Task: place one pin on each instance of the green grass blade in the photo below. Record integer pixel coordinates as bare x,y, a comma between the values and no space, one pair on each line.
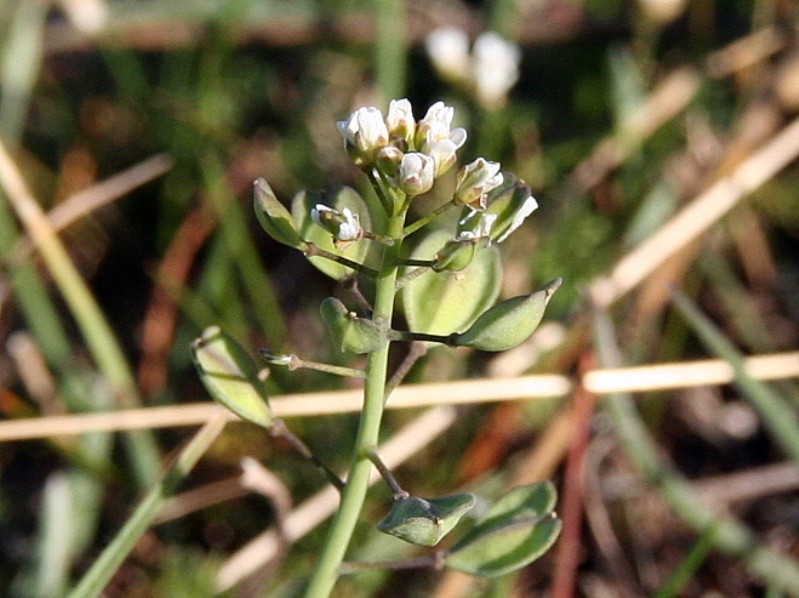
112,557
730,535
89,317
778,417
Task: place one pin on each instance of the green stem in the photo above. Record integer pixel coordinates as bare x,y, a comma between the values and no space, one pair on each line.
417,224
293,362
396,490
410,276
407,336
327,570
314,251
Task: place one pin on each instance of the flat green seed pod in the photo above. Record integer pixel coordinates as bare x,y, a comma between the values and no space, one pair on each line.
507,548
349,333
508,323
446,302
230,376
426,521
518,528
274,217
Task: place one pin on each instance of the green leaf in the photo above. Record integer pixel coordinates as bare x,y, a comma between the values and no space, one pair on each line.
518,528
274,217
446,302
426,521
230,376
342,197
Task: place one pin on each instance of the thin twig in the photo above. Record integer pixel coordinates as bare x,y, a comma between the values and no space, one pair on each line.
279,430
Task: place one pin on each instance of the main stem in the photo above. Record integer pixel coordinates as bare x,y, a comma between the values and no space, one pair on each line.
352,497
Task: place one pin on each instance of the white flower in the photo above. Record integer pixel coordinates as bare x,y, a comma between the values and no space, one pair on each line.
495,68
485,223
364,133
399,120
475,180
343,225
434,137
448,48
529,206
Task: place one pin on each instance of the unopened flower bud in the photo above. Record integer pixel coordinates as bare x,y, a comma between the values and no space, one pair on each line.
475,180
388,159
343,225
509,323
351,334
400,121
458,253
416,173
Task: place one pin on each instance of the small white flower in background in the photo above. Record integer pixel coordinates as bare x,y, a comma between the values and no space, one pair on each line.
416,173
343,225
448,48
496,68
491,69
475,180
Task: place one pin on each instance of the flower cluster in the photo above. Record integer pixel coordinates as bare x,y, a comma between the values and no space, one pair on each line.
409,155
413,154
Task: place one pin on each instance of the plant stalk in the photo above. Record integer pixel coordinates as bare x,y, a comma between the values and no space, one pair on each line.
352,498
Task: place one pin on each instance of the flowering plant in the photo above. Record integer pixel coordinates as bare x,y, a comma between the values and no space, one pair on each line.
449,284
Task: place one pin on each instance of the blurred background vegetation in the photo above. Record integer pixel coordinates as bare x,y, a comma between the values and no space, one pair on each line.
139,127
